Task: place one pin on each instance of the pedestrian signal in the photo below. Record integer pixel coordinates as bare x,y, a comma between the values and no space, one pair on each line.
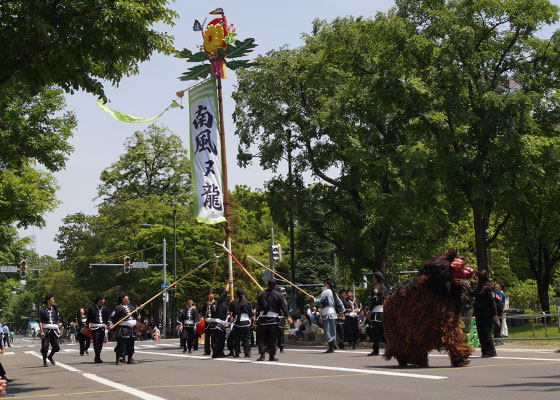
126,264
23,269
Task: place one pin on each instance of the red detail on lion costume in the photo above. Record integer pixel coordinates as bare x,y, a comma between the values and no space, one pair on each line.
423,314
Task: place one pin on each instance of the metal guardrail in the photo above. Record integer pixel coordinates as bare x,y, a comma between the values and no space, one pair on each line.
535,318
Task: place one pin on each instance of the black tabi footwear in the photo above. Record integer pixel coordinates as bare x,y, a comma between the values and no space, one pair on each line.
373,353
45,364
272,358
184,351
462,362
132,361
261,358
98,361
247,355
50,358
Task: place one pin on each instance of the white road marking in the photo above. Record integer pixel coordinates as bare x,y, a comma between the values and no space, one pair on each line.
11,353
103,381
309,366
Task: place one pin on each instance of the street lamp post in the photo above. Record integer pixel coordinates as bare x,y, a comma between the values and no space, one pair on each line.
164,330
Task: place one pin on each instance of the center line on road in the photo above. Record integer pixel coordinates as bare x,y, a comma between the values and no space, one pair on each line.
103,381
309,366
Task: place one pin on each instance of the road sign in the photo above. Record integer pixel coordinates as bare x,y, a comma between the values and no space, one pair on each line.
140,264
164,285
9,268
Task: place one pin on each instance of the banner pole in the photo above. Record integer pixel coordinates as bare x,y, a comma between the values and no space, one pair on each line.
225,183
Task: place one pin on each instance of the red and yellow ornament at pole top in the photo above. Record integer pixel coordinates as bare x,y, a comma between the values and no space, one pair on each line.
217,35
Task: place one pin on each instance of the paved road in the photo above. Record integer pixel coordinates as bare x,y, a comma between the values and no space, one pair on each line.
164,372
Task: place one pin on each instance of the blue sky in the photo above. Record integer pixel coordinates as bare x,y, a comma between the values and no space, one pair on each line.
98,139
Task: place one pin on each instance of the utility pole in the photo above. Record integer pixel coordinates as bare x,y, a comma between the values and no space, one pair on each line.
165,294
174,319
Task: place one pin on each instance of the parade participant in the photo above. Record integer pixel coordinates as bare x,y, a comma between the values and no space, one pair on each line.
188,318
281,325
126,330
378,295
219,324
330,306
270,304
208,321
83,332
49,328
486,313
6,334
352,309
242,315
97,319
340,331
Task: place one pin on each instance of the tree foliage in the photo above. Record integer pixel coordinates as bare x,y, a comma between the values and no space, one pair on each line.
76,44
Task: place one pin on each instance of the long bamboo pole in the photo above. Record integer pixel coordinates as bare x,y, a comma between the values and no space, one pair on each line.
241,265
160,293
281,277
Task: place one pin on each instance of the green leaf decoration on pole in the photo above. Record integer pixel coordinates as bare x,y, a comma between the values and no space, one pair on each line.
220,45
197,72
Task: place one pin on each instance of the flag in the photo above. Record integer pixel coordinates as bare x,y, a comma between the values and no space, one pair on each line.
206,161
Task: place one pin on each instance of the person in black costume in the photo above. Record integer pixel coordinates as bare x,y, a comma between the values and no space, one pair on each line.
49,327
219,324
378,295
340,326
281,325
126,330
270,304
352,309
188,318
83,332
242,315
208,322
485,313
97,319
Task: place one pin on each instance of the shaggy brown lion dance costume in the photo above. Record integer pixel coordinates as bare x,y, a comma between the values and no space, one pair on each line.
423,313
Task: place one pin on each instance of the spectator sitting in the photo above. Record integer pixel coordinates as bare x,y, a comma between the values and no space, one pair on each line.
315,316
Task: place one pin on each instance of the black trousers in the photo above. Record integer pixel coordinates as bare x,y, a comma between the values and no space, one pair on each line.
52,339
497,328
484,326
340,332
352,330
188,336
267,337
378,334
83,340
218,342
241,337
7,340
208,345
2,371
98,338
125,347
280,342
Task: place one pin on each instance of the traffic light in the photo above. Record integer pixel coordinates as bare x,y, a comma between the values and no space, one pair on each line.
23,269
126,264
277,253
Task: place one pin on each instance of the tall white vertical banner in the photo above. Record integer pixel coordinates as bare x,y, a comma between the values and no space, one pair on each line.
206,160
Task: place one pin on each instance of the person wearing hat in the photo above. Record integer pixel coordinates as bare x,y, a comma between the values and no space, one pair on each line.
330,307
188,318
49,327
242,315
126,330
270,304
97,318
378,295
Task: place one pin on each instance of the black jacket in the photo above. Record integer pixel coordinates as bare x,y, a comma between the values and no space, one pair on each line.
271,300
241,306
120,311
47,316
189,314
484,303
93,316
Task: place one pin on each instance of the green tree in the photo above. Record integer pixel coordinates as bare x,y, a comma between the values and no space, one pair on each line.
154,163
341,100
76,44
485,74
34,131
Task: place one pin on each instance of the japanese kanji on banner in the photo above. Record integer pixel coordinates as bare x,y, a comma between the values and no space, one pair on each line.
206,165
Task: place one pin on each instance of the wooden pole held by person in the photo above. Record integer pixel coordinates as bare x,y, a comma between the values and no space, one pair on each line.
281,277
160,293
238,263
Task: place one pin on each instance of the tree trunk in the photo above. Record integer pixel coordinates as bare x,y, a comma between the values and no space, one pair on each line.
380,254
480,234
